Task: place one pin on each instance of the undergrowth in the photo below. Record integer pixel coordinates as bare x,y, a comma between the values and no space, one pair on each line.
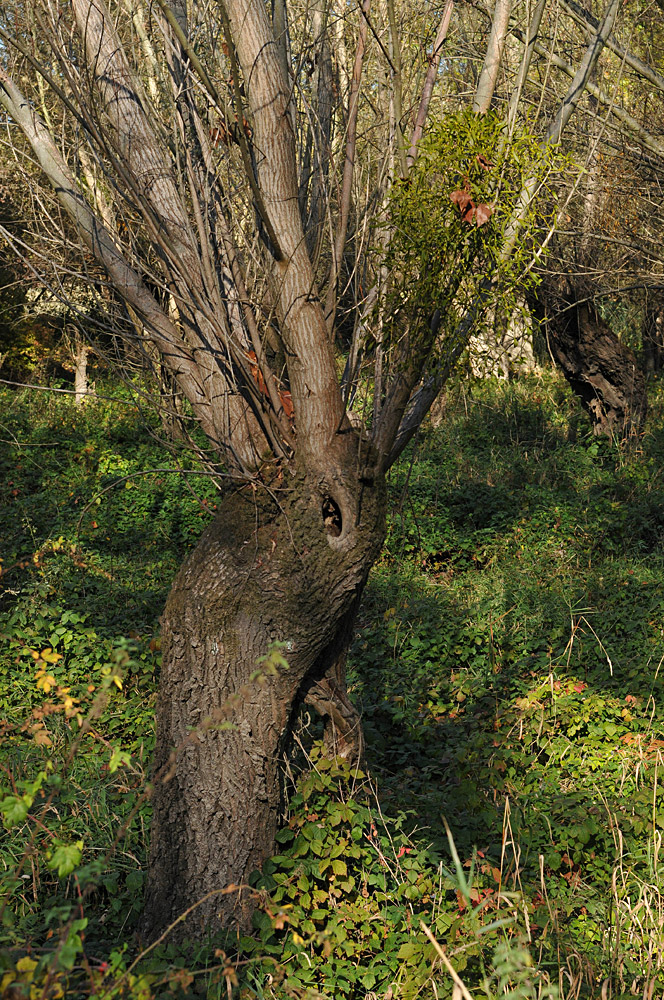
508,663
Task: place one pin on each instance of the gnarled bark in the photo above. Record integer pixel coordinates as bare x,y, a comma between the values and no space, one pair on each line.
652,337
286,565
603,372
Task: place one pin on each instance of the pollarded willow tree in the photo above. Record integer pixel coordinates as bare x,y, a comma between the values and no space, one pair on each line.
225,183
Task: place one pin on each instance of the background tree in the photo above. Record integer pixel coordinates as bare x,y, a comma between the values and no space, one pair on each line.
603,262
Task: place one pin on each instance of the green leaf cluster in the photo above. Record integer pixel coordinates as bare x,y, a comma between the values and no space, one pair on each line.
439,259
348,891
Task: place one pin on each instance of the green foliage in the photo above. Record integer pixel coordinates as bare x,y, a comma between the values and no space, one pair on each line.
342,892
350,888
452,221
510,652
509,666
74,530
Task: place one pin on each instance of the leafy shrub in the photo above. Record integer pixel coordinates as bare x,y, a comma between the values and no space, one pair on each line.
451,222
350,890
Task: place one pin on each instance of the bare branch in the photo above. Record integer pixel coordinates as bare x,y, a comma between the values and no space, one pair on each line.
493,57
311,368
349,168
427,90
530,39
96,238
583,73
645,137
586,19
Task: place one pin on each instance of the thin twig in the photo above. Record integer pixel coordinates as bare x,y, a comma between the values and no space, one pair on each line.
446,962
69,392
427,90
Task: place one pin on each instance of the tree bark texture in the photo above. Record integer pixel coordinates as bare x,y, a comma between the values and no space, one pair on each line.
285,565
81,350
603,372
652,337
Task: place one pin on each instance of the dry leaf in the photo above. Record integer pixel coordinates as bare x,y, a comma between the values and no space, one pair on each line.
463,200
482,214
41,738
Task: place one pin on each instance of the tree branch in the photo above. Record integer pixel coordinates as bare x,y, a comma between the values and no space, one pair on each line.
493,57
427,90
94,235
646,138
583,74
349,168
530,39
586,19
310,359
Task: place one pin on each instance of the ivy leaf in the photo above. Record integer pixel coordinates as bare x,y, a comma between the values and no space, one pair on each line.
14,809
408,949
118,758
45,681
65,858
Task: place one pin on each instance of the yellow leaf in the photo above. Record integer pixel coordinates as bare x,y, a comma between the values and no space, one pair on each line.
117,680
46,682
26,964
297,939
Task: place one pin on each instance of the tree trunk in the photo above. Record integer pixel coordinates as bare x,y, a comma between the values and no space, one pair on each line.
653,339
80,369
602,371
286,565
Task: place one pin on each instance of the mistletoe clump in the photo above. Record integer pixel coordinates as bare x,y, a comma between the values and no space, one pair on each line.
453,217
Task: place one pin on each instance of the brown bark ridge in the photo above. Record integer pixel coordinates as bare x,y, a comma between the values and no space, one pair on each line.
652,338
286,564
602,371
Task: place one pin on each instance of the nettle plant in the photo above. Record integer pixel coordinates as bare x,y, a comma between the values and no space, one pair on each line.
454,250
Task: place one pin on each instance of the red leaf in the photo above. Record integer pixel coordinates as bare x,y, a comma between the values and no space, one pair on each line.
482,214
462,199
219,134
484,163
466,204
256,373
287,403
